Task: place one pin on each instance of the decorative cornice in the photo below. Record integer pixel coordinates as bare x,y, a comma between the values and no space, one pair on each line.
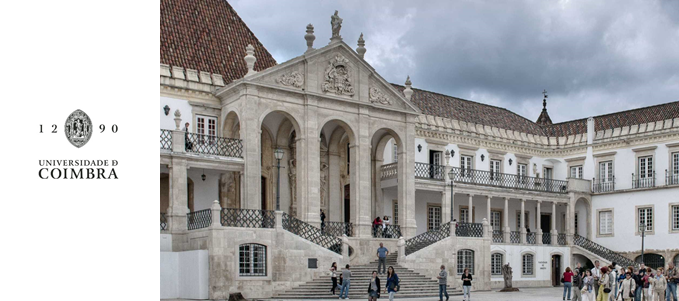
575,159
468,147
599,155
642,149
497,152
672,144
436,141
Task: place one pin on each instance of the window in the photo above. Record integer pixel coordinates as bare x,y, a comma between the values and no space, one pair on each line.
496,220
606,222
646,167
206,127
522,172
252,260
576,172
394,152
496,264
494,170
527,266
433,217
518,219
548,173
675,217
676,261
674,175
646,218
465,259
464,215
576,223
466,165
606,172
395,211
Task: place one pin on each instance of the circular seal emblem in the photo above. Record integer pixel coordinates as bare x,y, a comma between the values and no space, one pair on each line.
78,128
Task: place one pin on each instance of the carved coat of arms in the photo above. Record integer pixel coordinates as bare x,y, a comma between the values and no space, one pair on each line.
78,128
338,77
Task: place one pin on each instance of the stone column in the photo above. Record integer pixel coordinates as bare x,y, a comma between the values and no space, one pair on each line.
241,175
179,203
345,250
251,134
446,204
360,176
488,209
401,250
554,232
406,178
523,222
569,226
470,210
335,198
505,221
279,220
216,211
377,198
310,205
538,238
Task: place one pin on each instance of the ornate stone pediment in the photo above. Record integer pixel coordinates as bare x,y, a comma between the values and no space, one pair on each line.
294,79
377,96
338,78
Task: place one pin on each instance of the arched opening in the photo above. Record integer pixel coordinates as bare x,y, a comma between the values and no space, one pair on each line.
652,260
584,262
582,218
388,183
230,181
278,131
189,191
336,199
164,192
556,269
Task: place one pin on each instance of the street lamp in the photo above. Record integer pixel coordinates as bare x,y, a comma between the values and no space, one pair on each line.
278,154
642,229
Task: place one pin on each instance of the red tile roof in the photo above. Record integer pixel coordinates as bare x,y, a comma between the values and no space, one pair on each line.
655,113
208,35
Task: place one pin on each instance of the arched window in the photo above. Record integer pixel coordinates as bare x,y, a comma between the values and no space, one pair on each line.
252,260
676,260
527,264
651,260
496,264
465,259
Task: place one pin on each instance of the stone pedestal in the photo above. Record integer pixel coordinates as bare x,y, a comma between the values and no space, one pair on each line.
523,236
538,237
216,211
555,236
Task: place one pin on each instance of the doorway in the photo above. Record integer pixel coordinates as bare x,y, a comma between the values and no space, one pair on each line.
556,270
545,222
264,193
347,203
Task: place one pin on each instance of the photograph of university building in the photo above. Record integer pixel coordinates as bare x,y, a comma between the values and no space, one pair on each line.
254,151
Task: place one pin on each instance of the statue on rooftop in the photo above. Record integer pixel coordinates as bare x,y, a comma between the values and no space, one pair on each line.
336,24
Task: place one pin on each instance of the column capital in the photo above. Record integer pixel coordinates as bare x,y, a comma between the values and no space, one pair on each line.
489,196
470,195
506,198
539,201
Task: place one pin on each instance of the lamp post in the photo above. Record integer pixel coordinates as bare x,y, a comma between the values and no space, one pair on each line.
642,229
278,154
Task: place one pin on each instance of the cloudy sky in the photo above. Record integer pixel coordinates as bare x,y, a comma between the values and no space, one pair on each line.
593,57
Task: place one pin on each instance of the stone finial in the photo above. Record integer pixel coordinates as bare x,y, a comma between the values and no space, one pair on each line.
361,46
177,119
309,37
408,92
250,59
447,156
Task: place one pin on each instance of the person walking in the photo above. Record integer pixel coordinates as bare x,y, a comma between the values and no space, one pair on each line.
392,283
374,287
588,286
604,285
567,283
382,253
596,275
333,276
659,285
672,277
346,282
628,287
578,284
466,284
443,283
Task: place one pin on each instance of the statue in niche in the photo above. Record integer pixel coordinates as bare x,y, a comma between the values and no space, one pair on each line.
507,275
336,24
324,183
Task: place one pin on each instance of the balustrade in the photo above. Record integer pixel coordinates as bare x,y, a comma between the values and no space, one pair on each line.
199,219
482,177
338,228
602,185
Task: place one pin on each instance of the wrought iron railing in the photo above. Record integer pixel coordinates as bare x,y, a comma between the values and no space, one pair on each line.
482,177
671,178
199,219
311,233
248,218
603,251
163,221
165,139
391,231
429,171
603,186
546,238
469,229
561,239
389,171
213,145
425,239
645,182
498,236
515,237
338,228
530,238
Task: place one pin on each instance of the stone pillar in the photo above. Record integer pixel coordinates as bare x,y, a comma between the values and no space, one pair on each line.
488,209
453,228
406,179
377,198
505,221
523,222
335,198
360,176
345,250
216,211
401,250
569,226
470,210
251,134
279,220
446,203
554,232
487,231
538,238
241,175
179,203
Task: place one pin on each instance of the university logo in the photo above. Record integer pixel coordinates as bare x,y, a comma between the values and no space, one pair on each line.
78,128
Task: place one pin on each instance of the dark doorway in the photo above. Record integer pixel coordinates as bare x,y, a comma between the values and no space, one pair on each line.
347,203
545,223
651,260
556,270
264,193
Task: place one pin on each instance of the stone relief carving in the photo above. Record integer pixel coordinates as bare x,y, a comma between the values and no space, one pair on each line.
338,77
293,78
376,96
324,184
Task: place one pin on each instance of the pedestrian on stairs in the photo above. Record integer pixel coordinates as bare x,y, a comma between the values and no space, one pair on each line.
382,253
374,287
443,283
392,283
467,285
333,271
346,281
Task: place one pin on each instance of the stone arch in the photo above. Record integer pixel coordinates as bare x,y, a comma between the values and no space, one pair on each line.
652,260
290,116
586,227
336,178
379,139
267,161
231,125
345,124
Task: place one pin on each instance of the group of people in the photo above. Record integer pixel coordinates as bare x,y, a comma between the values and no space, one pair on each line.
616,283
381,224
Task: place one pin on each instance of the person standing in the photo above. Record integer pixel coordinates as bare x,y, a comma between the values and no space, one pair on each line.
377,223
659,285
443,283
628,287
613,279
672,277
638,279
346,282
588,286
374,287
604,285
333,276
385,225
322,220
382,253
466,284
392,283
577,284
596,275
567,283
647,282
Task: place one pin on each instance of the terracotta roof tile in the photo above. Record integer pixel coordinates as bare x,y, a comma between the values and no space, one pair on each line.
208,35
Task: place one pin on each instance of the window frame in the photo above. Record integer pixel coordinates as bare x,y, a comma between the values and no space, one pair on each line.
494,261
464,264
394,210
524,265
431,206
251,261
463,207
494,211
598,222
202,129
578,170
495,170
672,215
551,172
637,219
518,219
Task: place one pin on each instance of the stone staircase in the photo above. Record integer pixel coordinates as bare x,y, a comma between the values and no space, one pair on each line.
413,285
603,252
